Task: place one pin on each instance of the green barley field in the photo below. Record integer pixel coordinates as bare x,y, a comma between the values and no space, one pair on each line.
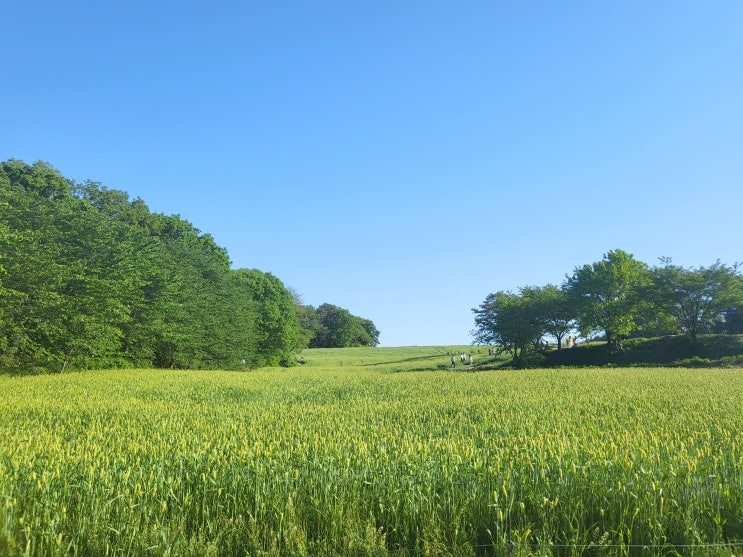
375,452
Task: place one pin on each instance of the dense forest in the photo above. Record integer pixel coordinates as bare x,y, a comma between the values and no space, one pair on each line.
612,300
92,279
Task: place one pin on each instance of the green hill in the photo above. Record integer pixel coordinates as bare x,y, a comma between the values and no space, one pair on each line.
710,350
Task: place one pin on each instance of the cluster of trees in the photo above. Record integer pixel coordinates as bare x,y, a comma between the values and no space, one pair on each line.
329,326
90,278
614,299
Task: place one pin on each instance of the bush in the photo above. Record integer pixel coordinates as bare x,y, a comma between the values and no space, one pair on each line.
529,360
732,361
694,361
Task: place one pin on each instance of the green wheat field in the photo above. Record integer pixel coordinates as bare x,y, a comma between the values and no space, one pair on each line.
373,451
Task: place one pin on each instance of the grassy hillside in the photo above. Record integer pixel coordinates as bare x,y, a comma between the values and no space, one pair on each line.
673,350
406,358
710,351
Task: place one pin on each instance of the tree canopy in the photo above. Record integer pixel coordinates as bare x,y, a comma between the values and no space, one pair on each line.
606,295
90,278
510,321
699,298
613,299
335,327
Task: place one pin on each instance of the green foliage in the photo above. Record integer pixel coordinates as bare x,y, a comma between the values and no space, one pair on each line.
624,301
694,361
277,329
517,322
336,327
554,311
39,178
732,361
511,321
90,279
307,318
607,295
697,298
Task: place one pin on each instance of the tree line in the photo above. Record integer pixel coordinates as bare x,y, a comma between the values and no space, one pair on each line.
91,279
614,299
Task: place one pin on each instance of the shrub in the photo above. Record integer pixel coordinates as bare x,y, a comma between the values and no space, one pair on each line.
732,361
694,361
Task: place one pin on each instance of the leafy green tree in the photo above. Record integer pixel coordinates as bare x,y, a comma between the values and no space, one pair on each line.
94,280
190,299
32,281
554,311
307,317
277,328
68,274
335,327
338,328
511,321
697,298
607,295
40,178
92,301
233,326
90,279
5,241
371,338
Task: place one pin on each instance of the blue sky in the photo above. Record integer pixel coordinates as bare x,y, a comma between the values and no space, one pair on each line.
398,159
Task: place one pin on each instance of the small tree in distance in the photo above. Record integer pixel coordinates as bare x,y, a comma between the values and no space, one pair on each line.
337,328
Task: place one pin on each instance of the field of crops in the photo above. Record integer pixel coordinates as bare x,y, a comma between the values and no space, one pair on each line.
360,452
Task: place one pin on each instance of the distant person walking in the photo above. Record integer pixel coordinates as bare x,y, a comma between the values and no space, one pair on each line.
453,361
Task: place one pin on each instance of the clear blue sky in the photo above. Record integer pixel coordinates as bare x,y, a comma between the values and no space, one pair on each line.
398,159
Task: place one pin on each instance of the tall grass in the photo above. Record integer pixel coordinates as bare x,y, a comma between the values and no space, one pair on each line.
351,460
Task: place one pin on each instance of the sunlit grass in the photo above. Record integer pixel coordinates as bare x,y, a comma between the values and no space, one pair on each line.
352,459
